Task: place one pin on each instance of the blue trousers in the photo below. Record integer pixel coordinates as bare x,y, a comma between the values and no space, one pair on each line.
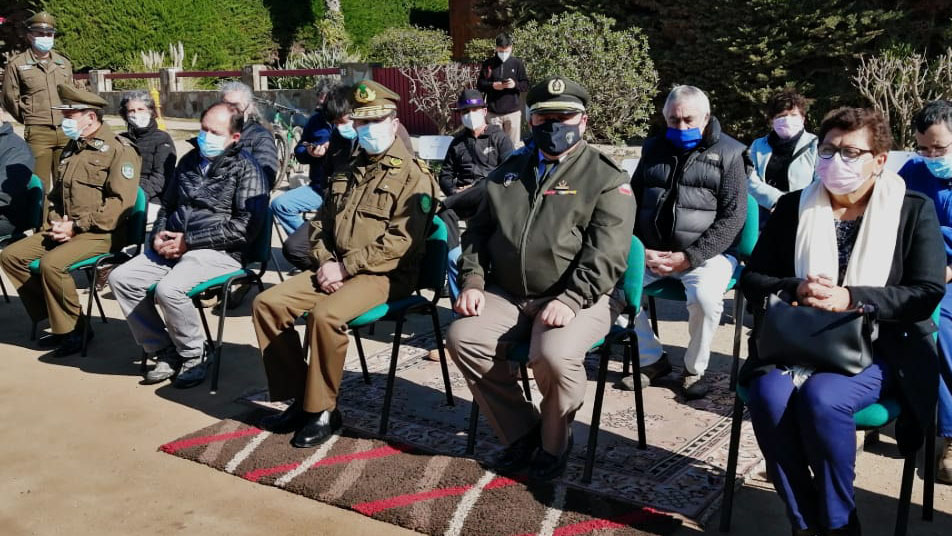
945,363
289,206
453,272
812,428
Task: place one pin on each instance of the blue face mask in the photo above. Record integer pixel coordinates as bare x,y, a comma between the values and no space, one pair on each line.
71,128
375,138
43,44
684,139
210,145
940,166
346,130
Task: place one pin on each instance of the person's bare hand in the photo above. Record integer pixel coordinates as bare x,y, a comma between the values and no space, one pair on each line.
672,263
61,231
817,287
317,151
653,259
838,300
331,288
510,83
556,314
470,302
174,245
331,272
498,86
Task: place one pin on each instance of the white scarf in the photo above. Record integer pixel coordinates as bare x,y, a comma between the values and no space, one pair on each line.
870,262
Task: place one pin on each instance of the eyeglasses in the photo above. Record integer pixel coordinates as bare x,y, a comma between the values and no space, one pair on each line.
935,150
847,154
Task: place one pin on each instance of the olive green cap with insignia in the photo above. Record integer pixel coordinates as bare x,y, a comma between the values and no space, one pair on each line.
557,94
41,21
74,98
372,100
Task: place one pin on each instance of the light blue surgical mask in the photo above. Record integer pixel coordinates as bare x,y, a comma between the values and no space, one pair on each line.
211,145
43,44
375,138
71,128
346,130
940,166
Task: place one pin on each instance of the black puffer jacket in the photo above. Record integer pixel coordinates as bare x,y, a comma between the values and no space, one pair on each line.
694,202
158,158
223,208
259,142
16,167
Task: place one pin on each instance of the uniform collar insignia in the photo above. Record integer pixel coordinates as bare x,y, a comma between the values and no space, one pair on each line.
562,185
508,178
395,162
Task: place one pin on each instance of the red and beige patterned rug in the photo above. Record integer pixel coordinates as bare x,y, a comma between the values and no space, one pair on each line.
420,479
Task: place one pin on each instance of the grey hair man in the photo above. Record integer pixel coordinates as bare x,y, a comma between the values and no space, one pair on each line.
691,189
255,137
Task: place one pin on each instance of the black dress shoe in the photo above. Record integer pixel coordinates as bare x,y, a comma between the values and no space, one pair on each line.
51,340
519,453
289,420
72,343
547,466
851,529
317,428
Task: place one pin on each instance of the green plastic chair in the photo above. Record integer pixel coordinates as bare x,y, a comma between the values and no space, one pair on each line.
873,417
632,283
34,198
135,236
672,289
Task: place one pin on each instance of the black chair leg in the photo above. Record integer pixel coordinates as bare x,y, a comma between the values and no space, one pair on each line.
438,332
360,354
905,495
928,473
473,423
201,314
217,344
730,474
144,364
91,277
88,320
596,413
526,388
626,362
632,348
653,313
391,377
738,333
33,331
3,287
277,267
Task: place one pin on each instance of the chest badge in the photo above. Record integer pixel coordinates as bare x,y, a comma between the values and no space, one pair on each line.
96,144
508,178
104,148
395,162
562,185
128,170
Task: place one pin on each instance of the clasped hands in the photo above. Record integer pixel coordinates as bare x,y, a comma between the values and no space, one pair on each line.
555,314
61,230
170,245
665,263
330,276
820,292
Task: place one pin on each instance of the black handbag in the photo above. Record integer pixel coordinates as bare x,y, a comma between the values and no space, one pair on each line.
828,341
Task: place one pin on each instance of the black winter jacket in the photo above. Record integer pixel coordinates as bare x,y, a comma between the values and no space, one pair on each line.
16,168
470,159
259,142
503,101
158,159
709,189
223,209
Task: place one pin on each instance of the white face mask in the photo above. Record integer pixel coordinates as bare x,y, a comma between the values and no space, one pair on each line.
377,137
503,56
474,120
140,119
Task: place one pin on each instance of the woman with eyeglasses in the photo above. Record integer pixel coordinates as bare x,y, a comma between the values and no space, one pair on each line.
856,236
783,159
931,174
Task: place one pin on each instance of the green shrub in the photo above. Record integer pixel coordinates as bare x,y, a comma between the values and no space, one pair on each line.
366,19
410,47
225,34
613,65
478,49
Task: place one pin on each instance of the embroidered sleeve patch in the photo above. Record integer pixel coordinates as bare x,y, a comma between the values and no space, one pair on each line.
128,170
426,203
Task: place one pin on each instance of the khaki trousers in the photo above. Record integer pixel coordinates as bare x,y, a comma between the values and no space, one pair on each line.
510,123
479,345
52,292
273,314
47,143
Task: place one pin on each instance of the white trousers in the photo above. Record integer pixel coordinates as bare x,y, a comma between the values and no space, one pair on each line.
704,287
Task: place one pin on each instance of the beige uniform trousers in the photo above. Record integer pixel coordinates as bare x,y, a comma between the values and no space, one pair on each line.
52,292
47,143
510,123
479,345
273,314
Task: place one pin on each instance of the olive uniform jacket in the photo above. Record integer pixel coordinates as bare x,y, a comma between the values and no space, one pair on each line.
567,237
29,87
375,217
97,184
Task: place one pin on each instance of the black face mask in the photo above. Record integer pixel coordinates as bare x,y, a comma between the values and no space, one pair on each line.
555,137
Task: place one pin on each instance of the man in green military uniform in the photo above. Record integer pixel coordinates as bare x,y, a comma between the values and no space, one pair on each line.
368,244
29,94
540,258
94,191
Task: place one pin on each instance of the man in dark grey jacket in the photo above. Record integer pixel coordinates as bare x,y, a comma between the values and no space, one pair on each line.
16,168
691,187
212,210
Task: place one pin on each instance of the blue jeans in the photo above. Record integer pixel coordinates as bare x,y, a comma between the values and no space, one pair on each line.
945,363
812,427
453,272
289,206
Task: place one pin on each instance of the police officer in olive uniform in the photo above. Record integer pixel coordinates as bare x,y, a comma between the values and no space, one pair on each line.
540,259
368,243
29,94
94,191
